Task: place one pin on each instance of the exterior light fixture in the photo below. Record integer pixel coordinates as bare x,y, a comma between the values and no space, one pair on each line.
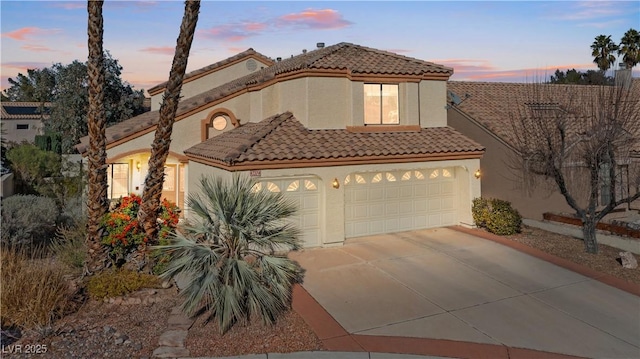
335,184
138,165
477,174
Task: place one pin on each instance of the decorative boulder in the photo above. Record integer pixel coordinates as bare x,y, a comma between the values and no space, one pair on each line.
628,260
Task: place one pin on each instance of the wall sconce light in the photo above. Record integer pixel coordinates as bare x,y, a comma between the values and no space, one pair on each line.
477,174
138,165
335,184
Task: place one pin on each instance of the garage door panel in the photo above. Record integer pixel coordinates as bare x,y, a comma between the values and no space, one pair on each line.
391,193
398,201
447,203
391,209
420,190
310,203
434,204
376,210
376,193
406,208
406,191
434,189
305,195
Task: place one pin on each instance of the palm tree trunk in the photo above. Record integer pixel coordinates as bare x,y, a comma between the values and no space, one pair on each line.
148,212
98,204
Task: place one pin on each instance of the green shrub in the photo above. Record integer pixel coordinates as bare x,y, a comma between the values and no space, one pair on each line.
33,290
28,219
497,216
117,282
124,233
480,211
69,245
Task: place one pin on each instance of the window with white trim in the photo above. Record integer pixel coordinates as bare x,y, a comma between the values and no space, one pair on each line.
381,104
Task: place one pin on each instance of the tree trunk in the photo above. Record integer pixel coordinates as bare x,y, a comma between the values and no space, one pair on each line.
148,212
589,234
98,204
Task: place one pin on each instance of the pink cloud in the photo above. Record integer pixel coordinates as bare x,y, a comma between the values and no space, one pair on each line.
24,66
466,65
23,33
398,51
70,5
315,19
490,73
234,32
36,48
161,50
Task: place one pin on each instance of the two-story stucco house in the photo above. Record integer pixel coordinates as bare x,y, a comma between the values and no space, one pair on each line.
358,137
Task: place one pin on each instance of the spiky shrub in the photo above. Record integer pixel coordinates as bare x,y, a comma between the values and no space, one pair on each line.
233,255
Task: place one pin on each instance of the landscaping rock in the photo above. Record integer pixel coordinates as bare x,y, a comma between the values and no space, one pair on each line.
628,260
173,338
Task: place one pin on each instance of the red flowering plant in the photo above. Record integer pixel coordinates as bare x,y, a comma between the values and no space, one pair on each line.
124,233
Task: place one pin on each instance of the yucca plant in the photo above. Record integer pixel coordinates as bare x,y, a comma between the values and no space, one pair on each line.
233,254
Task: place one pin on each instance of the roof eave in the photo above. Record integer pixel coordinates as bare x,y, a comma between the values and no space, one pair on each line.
327,162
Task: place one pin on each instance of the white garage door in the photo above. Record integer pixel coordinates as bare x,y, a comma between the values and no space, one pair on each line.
386,202
305,193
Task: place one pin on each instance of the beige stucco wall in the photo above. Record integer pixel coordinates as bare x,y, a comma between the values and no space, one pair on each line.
433,99
332,203
13,134
212,80
498,181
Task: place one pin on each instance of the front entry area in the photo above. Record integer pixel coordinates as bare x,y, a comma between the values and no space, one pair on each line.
387,202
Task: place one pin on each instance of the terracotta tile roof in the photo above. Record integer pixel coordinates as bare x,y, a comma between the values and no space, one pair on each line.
494,104
248,53
281,140
24,110
343,58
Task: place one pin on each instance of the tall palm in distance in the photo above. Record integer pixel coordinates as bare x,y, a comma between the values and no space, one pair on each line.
152,192
603,50
630,48
98,204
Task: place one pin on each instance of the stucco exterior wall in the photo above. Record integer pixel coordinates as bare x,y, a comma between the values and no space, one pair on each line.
212,80
497,179
13,134
329,107
433,99
294,96
333,202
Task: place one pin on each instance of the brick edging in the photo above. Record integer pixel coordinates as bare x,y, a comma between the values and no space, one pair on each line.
605,278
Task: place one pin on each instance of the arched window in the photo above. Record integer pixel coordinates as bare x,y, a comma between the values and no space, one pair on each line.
218,121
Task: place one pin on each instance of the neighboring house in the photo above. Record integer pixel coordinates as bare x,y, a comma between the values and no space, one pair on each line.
22,121
357,137
484,113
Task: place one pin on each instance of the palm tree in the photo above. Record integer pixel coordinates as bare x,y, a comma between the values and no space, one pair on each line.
603,50
148,213
630,48
229,254
98,204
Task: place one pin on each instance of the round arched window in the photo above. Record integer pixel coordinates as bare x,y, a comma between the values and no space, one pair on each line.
220,122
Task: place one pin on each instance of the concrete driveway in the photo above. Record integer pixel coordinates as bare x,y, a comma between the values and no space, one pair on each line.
444,284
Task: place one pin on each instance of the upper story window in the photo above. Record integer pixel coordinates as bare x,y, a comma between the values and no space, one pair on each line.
381,104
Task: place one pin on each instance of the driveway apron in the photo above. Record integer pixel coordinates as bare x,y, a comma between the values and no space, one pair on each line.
444,284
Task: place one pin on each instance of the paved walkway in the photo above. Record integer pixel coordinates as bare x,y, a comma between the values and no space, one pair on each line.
447,294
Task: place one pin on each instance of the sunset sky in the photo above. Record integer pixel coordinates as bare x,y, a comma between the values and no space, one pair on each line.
483,41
